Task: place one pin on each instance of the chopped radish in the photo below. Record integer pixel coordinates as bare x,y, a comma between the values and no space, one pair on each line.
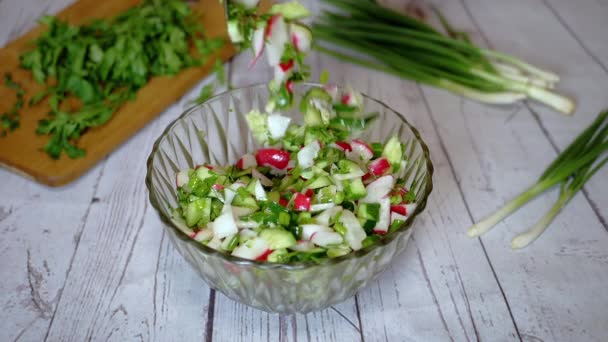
182,178
283,202
248,4
224,225
217,187
251,249
246,162
321,206
247,234
280,74
258,175
289,86
302,246
258,44
276,37
307,155
399,209
202,235
379,166
355,234
378,189
229,194
277,125
332,90
260,193
324,217
308,230
302,202
272,157
264,256
360,151
343,145
351,98
324,239
301,37
385,216
309,193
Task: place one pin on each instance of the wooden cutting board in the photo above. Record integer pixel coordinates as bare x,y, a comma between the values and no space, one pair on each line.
21,150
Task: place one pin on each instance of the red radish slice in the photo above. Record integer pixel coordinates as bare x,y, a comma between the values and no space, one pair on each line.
307,155
324,239
283,202
289,86
379,232
378,189
309,193
361,150
399,209
332,90
324,217
343,145
345,99
217,187
276,37
379,166
258,175
264,256
301,37
355,234
277,125
302,202
260,193
182,178
225,225
252,249
202,235
257,44
385,216
302,246
395,216
272,157
308,230
246,162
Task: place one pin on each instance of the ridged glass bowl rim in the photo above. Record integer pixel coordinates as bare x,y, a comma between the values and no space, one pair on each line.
386,239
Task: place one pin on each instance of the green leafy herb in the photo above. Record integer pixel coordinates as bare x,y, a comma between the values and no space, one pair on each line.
104,63
9,121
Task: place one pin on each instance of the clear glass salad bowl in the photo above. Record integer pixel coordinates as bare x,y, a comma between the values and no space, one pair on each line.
216,133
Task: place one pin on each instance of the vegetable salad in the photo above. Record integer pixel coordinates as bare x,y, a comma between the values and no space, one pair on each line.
312,192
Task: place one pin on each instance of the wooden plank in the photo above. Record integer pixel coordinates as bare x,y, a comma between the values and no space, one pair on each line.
34,270
152,99
496,152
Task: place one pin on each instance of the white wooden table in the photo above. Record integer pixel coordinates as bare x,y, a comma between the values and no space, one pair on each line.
89,261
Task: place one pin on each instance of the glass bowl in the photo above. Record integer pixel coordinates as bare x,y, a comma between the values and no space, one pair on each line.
216,133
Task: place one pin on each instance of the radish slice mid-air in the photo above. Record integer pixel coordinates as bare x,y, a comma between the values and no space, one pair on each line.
301,37
276,37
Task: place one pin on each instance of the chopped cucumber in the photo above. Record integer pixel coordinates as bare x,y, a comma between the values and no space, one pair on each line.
278,238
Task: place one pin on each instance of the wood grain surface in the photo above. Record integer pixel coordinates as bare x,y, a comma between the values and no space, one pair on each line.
21,150
90,261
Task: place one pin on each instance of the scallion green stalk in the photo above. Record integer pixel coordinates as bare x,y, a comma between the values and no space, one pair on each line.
409,48
572,168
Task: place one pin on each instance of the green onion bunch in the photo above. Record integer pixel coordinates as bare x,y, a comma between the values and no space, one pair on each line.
376,37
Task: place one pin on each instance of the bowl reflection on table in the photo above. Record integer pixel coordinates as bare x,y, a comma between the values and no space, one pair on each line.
216,133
